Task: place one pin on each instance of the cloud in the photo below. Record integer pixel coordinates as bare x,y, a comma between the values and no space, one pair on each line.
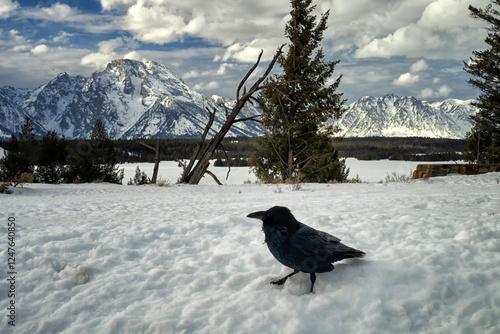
107,52
73,17
40,49
406,79
236,24
419,66
57,12
443,91
7,7
62,37
212,85
134,55
115,4
444,30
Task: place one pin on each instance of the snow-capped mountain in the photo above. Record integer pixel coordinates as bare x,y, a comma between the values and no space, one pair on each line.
147,100
134,99
394,116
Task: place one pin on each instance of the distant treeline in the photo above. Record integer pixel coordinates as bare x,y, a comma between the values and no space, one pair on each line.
409,149
239,149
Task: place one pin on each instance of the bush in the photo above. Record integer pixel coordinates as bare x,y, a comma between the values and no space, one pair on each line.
395,177
139,178
4,188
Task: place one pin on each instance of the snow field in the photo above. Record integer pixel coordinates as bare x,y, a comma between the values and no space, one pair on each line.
184,259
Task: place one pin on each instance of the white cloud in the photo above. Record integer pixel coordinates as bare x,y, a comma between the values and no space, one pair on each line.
59,12
436,80
419,66
62,37
222,22
443,91
107,52
444,30
40,49
110,45
115,4
223,67
212,85
406,79
6,7
134,55
63,13
15,41
97,60
426,93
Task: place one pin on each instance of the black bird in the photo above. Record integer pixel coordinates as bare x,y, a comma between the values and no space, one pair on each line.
299,246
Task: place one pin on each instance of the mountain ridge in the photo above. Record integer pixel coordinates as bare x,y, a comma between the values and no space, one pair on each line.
147,100
407,116
134,99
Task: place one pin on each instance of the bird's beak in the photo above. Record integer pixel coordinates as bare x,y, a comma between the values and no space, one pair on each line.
257,215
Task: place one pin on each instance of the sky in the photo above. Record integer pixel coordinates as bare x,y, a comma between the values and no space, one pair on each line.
402,47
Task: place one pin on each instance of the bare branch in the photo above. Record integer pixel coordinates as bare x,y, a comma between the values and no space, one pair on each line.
228,163
148,146
183,165
245,78
251,118
215,177
193,175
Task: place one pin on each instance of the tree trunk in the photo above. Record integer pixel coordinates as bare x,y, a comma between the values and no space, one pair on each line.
193,175
157,158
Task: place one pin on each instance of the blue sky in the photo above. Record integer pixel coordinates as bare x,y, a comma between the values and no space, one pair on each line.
405,47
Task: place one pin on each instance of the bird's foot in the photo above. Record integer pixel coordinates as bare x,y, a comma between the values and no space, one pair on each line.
279,282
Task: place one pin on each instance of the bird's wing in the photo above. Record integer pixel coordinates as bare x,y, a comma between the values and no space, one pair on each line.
311,241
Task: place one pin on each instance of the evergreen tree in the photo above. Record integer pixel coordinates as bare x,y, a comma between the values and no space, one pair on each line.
52,159
103,154
297,106
13,162
483,141
95,160
20,157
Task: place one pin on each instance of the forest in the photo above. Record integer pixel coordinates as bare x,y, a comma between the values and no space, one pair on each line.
239,149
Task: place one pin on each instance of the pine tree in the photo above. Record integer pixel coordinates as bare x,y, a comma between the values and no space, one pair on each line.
52,159
95,161
103,155
483,141
12,163
20,157
297,106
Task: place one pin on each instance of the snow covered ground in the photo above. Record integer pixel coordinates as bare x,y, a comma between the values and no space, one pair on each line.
367,171
101,258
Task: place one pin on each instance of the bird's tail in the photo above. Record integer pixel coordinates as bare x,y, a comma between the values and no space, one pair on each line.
346,252
354,253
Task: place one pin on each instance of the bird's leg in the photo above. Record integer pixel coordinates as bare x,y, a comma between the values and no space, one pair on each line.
313,279
283,280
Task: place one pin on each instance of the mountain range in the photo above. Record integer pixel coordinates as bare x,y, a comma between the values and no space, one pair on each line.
134,99
147,100
394,116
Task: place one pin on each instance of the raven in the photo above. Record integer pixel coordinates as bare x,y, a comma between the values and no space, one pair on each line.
299,246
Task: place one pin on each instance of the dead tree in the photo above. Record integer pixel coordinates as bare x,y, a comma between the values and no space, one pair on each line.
157,158
200,160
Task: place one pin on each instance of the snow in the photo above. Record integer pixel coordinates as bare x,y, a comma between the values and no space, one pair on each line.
364,169
108,258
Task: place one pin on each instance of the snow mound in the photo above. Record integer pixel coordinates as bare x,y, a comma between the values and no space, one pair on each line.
74,272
